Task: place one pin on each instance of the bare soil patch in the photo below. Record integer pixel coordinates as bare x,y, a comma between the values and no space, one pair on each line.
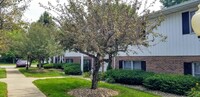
100,92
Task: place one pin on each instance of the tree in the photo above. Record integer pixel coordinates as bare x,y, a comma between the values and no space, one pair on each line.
41,39
39,42
11,12
101,28
46,19
168,3
15,43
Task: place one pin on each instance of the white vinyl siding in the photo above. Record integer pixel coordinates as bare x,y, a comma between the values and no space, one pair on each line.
176,43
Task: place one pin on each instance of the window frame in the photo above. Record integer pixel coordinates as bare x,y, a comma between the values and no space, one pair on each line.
69,60
132,65
190,21
193,68
123,64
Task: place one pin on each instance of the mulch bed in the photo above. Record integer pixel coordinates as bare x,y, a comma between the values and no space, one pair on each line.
100,92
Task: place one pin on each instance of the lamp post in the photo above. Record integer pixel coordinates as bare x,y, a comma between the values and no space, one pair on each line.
196,22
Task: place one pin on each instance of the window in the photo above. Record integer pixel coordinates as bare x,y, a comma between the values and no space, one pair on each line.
69,60
191,15
196,69
127,65
130,65
87,65
137,65
186,22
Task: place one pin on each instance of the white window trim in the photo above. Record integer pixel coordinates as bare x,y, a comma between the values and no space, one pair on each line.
123,64
132,65
190,10
193,69
190,22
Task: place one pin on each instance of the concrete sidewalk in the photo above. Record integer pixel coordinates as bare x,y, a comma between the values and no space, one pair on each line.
19,85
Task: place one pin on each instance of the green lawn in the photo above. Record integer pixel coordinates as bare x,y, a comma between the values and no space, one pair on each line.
2,73
3,90
35,72
7,64
60,87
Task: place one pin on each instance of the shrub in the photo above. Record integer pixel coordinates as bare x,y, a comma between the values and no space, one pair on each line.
42,64
195,92
131,77
101,76
59,65
177,84
47,66
110,80
72,69
109,67
86,74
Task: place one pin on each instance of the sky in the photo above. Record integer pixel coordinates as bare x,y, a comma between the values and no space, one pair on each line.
34,11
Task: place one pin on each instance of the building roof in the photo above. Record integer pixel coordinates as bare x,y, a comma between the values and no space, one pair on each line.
176,8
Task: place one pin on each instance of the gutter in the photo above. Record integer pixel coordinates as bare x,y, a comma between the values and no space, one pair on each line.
180,7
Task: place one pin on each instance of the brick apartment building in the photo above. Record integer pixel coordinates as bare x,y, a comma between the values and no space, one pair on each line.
180,53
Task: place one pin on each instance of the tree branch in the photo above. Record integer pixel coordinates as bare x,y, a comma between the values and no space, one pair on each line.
86,53
1,2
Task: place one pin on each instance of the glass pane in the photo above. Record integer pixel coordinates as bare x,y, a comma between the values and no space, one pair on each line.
197,68
87,65
127,64
69,60
137,65
191,15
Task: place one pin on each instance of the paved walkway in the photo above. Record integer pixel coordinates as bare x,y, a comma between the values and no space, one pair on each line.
19,85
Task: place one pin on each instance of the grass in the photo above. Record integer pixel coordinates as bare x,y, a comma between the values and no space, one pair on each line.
3,89
10,64
2,73
35,72
60,87
7,64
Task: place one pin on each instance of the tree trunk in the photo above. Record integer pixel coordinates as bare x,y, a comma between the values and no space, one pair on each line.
109,62
40,64
102,67
43,61
30,62
95,74
27,65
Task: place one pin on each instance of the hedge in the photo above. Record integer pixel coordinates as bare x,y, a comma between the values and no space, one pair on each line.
171,83
59,65
131,77
195,92
72,69
48,66
177,84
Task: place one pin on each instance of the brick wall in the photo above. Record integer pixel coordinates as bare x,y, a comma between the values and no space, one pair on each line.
161,64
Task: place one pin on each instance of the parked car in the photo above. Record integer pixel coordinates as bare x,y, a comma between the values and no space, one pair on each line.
21,63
